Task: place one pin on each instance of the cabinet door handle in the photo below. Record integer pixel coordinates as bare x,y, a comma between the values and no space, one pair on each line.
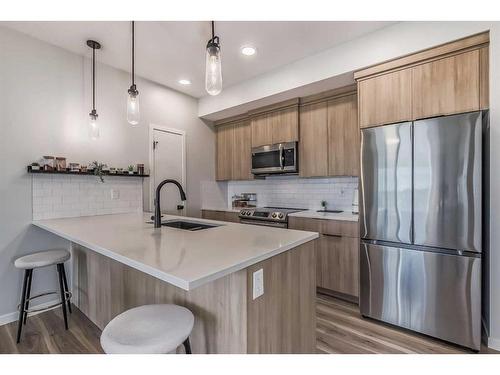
332,235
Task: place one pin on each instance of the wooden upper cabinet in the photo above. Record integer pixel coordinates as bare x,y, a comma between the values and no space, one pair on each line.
285,125
313,145
224,152
329,137
343,136
484,78
242,151
233,149
261,129
447,79
273,124
446,86
385,99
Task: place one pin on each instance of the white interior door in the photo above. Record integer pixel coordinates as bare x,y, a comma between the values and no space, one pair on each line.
168,150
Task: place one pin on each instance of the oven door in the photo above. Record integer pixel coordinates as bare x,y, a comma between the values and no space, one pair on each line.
277,158
264,223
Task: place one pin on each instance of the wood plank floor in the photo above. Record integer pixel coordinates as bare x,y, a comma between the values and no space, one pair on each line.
340,329
45,333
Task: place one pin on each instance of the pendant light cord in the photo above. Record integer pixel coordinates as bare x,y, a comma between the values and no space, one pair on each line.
213,30
133,53
93,78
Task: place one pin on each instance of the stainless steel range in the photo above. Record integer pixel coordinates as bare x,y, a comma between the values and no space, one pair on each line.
268,216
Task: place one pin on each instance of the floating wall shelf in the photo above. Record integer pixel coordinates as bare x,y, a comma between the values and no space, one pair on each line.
85,173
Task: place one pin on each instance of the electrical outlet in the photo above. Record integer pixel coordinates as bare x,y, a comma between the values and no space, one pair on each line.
258,283
115,194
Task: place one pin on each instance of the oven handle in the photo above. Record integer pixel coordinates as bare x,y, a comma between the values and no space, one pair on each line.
266,224
282,157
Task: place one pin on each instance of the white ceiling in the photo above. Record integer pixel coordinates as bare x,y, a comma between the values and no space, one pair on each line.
169,51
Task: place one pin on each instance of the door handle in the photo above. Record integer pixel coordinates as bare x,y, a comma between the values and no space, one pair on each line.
282,157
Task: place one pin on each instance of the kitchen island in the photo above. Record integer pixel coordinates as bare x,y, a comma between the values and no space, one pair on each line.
121,261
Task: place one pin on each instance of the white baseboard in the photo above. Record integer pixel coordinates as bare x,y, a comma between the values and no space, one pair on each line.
14,316
494,343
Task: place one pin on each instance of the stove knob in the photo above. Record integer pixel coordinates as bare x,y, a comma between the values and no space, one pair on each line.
281,216
248,213
274,215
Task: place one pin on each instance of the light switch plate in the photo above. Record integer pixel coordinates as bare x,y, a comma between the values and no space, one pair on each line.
258,283
115,194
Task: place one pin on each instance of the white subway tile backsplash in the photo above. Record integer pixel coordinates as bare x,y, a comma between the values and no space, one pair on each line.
71,196
297,192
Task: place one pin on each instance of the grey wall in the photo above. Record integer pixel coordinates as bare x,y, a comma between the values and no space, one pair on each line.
44,104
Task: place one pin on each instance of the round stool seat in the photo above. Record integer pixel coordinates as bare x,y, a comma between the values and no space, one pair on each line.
42,259
148,329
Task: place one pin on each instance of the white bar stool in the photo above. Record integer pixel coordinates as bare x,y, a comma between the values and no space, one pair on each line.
148,329
38,260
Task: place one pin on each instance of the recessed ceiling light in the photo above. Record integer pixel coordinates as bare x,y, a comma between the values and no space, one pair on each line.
184,81
248,50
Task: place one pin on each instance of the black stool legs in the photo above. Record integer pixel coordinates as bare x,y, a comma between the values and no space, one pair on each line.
187,346
22,304
66,289
26,294
60,272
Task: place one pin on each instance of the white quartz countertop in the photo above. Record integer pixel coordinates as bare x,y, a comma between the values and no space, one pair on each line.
180,257
345,216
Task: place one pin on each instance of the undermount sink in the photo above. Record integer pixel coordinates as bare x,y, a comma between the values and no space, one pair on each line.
188,225
331,211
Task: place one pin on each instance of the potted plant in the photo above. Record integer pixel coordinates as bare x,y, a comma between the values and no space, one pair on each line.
130,169
99,169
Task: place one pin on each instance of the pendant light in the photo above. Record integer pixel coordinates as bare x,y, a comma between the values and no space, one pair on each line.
213,72
93,124
133,115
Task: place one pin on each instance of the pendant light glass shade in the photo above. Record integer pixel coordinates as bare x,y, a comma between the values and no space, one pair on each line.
133,114
93,126
213,76
213,68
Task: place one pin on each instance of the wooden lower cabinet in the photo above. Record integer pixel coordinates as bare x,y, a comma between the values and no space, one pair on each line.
337,255
220,215
227,317
337,261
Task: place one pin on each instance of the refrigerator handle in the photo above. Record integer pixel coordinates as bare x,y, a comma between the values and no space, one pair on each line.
412,217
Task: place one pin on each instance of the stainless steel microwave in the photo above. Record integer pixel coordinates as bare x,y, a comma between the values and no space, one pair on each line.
274,159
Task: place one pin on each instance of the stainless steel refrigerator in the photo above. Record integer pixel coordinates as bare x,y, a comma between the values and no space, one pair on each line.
420,225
